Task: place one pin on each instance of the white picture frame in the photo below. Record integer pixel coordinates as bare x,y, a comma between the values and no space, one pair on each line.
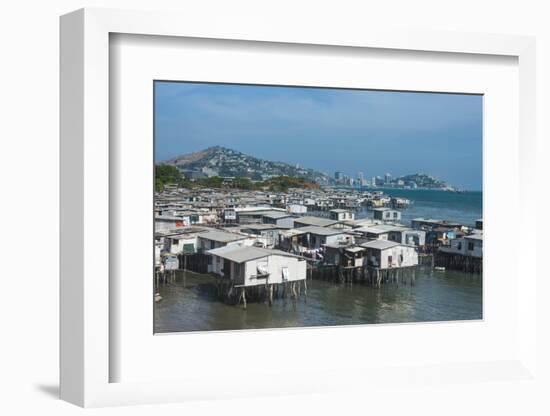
85,352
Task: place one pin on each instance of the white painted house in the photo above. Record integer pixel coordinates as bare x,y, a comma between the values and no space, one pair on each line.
386,214
406,235
164,223
296,208
281,219
252,266
385,254
468,245
341,214
377,231
265,234
314,237
344,255
179,243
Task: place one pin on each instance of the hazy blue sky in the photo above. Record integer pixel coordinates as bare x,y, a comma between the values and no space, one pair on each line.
327,129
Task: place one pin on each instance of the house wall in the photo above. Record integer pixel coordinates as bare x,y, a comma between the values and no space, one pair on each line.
389,215
356,261
176,245
316,241
359,261
268,238
418,238
206,244
230,215
275,264
478,248
396,236
410,257
285,222
382,236
373,257
460,246
165,225
333,239
216,265
237,271
158,249
297,209
342,216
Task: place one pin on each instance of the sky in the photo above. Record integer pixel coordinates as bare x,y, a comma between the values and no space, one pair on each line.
374,132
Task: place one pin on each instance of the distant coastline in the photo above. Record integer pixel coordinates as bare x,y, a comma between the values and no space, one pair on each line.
391,189
222,162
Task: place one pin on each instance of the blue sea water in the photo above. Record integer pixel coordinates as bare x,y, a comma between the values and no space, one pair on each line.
464,208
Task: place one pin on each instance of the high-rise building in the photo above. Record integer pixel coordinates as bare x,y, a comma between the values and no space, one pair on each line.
338,175
387,178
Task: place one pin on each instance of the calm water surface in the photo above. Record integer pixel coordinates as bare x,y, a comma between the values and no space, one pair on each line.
435,296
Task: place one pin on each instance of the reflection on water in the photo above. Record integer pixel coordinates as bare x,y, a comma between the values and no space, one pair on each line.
436,296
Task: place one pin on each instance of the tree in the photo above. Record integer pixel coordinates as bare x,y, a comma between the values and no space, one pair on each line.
243,183
211,182
159,186
166,174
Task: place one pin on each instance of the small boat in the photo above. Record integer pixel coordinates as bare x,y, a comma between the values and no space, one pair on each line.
158,298
439,268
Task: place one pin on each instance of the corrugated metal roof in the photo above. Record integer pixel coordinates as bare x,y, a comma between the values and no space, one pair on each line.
277,215
320,222
382,228
262,227
312,229
221,236
371,230
355,249
380,244
241,254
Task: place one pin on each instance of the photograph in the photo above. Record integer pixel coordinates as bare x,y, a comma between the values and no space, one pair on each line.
301,206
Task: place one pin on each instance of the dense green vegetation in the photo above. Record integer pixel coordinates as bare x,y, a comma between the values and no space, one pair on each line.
282,183
167,174
245,183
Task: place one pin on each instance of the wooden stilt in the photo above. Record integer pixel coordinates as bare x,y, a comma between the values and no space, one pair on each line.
229,292
243,295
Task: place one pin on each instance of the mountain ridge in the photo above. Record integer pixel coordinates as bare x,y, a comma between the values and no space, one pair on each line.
222,161
226,162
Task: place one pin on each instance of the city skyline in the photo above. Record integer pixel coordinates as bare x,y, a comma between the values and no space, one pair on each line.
373,132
